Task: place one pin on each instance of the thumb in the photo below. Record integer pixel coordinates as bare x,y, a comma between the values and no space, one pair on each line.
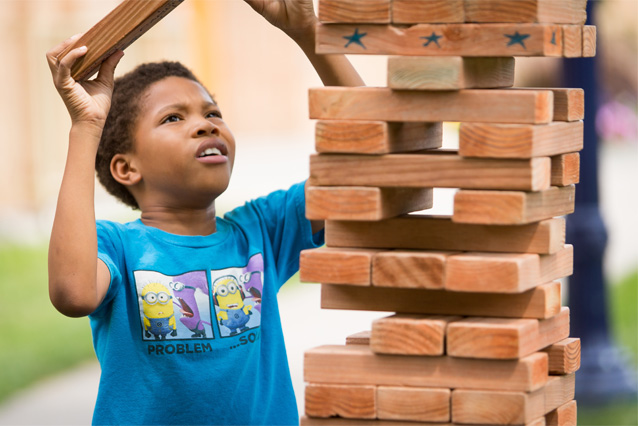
107,68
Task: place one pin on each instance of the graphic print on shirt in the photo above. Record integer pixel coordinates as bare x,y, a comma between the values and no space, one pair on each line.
174,307
237,296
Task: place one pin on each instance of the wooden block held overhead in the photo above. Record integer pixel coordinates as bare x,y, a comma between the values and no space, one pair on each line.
440,233
540,302
385,104
506,272
519,140
336,266
565,169
564,356
565,415
547,11
360,338
572,41
349,401
449,73
405,334
409,269
486,40
376,137
512,208
357,11
431,11
364,203
116,31
357,364
499,338
429,169
416,404
589,41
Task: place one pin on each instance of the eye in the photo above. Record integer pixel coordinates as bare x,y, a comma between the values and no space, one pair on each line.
150,298
173,118
163,297
232,288
222,291
214,114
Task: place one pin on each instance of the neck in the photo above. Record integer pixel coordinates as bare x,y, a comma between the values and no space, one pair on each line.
181,221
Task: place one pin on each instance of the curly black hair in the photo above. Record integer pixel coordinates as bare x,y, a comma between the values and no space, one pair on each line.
117,136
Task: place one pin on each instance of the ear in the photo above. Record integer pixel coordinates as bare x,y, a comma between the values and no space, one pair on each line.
124,170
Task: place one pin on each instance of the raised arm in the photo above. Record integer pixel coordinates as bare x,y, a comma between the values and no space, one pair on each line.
77,280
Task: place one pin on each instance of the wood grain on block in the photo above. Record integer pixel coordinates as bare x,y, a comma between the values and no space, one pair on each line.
385,104
572,41
559,390
540,302
565,415
512,207
376,137
501,338
431,11
589,41
349,401
116,31
569,104
409,269
356,11
565,169
505,272
357,364
336,266
427,170
364,203
409,334
440,233
564,356
519,140
339,421
360,338
544,11
417,404
485,40
449,73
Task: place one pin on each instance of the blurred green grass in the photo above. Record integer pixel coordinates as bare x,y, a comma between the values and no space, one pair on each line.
36,341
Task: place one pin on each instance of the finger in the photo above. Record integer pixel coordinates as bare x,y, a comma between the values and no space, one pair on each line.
53,53
62,69
107,68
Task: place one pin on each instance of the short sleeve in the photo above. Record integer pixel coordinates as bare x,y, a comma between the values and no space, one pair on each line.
109,251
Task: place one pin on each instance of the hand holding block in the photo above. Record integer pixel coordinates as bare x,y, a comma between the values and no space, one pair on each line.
117,30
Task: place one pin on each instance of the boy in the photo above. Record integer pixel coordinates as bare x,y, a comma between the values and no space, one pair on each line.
182,304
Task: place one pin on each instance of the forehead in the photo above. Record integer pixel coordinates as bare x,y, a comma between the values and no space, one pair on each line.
172,91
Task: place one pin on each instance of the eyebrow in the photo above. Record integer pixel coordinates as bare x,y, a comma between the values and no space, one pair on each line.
184,107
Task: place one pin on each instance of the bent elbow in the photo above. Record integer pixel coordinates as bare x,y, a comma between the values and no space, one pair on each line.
70,303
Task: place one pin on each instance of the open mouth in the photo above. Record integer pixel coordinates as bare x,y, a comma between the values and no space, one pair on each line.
233,306
210,152
186,310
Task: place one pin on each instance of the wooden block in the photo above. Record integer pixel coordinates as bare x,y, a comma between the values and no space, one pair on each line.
440,170
116,31
382,103
486,40
589,41
449,73
354,11
564,356
417,404
376,137
356,364
336,266
569,104
427,11
349,401
540,302
409,269
565,415
338,421
510,408
512,207
572,41
519,140
506,272
500,338
544,11
565,169
440,233
364,203
406,334
361,338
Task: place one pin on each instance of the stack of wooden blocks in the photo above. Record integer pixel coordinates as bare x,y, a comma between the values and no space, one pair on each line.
480,336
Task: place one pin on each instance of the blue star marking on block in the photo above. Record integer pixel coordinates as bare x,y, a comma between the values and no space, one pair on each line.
432,39
355,38
517,38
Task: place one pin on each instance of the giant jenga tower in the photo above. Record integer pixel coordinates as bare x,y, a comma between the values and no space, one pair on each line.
479,335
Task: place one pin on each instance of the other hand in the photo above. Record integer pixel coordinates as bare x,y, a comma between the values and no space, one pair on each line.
294,17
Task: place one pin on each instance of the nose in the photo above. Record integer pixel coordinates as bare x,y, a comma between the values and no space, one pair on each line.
205,127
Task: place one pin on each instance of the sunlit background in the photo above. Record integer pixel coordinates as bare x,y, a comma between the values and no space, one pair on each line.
260,79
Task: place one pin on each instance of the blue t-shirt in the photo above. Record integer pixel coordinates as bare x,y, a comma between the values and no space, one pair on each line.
189,331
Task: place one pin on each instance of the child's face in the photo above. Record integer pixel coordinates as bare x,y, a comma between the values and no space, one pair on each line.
183,148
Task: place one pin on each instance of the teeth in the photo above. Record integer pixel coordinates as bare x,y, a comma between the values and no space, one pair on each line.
210,151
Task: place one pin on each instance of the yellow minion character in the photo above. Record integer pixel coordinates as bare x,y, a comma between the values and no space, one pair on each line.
233,313
159,316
